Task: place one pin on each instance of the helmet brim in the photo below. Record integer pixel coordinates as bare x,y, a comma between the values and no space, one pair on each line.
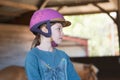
64,22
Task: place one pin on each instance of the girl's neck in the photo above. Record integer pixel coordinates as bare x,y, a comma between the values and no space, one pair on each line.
45,47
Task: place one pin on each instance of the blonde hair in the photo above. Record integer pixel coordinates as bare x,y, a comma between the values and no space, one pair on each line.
36,41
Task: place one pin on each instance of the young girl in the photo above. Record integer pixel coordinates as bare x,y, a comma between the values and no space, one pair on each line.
44,61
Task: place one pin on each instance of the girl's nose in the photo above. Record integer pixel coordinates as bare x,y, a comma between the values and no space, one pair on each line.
62,34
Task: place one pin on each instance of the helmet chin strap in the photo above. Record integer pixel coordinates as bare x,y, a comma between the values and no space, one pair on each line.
53,43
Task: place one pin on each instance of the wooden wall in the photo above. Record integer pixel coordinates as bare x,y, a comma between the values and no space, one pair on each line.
15,41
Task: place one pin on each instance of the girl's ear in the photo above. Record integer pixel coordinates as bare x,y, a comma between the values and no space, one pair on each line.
44,29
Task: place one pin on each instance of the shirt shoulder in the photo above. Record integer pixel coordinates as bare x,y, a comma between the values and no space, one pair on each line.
62,53
32,54
34,51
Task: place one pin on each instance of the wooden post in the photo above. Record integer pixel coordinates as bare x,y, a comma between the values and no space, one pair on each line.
118,22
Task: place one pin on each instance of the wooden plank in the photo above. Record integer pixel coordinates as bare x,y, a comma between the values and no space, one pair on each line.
6,13
17,5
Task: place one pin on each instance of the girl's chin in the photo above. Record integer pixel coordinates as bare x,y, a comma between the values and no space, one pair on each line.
58,42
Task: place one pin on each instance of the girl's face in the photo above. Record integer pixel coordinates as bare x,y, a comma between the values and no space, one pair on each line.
57,32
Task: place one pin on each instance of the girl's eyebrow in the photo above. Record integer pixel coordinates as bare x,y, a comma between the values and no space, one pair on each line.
59,26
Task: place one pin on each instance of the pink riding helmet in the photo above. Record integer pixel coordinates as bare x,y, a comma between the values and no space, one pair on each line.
46,16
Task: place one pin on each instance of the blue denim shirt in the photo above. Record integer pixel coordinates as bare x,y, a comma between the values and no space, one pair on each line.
45,65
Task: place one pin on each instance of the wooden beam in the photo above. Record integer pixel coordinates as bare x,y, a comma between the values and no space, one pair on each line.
105,12
58,3
59,8
17,5
44,4
84,12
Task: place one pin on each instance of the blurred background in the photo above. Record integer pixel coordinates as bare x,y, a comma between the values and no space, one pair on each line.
93,37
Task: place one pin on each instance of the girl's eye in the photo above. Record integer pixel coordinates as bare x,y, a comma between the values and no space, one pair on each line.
59,28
